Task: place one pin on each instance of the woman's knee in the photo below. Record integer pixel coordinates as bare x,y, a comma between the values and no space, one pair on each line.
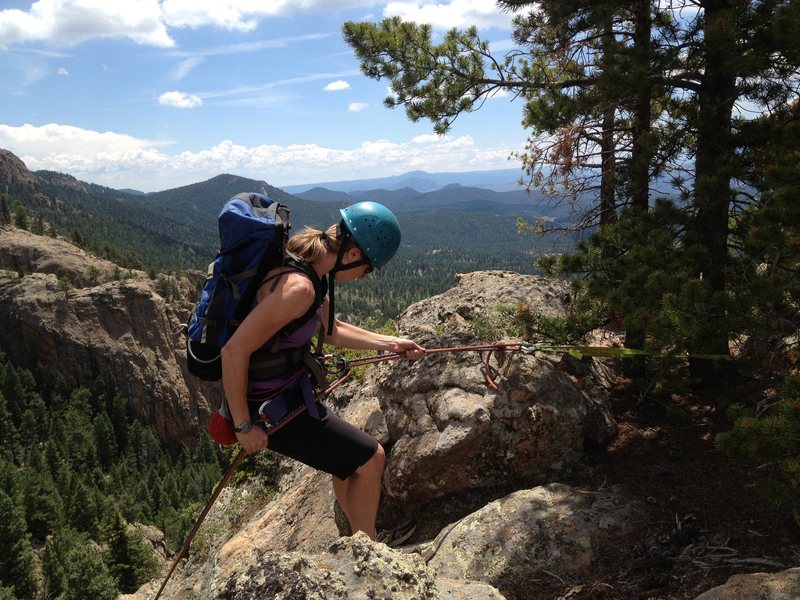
374,464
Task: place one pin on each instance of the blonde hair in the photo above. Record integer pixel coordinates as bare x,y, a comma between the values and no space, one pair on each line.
312,244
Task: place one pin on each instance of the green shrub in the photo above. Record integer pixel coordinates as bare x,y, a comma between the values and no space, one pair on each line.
770,437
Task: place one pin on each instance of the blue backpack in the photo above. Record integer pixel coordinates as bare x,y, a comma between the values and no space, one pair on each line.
253,231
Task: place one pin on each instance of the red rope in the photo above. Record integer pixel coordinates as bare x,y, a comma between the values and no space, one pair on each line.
489,372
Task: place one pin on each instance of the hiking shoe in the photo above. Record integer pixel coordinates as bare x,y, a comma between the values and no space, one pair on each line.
394,537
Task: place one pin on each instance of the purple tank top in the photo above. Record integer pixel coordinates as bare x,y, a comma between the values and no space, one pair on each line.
296,339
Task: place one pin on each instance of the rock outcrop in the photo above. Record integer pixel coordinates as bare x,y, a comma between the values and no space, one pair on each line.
552,528
62,306
784,585
464,459
352,568
450,435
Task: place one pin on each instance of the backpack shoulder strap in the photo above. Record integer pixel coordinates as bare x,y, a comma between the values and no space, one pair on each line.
295,264
320,289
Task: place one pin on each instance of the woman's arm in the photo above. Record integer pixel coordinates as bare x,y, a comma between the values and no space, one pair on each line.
346,335
289,300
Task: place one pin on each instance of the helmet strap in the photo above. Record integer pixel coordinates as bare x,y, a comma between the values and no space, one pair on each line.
344,235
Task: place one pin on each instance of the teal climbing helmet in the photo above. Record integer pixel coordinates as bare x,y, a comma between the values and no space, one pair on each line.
375,229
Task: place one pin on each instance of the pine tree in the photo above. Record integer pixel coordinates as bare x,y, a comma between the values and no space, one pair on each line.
672,77
54,556
5,212
129,559
21,217
119,420
44,508
9,437
16,553
11,482
87,575
105,440
80,508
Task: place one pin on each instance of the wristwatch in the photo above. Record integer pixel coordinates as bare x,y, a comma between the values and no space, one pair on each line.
244,427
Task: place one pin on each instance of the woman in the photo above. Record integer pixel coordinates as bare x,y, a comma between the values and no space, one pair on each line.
367,238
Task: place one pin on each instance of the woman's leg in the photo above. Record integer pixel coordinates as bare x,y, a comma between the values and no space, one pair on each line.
359,494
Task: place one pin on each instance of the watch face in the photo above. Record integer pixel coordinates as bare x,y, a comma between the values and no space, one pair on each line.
244,427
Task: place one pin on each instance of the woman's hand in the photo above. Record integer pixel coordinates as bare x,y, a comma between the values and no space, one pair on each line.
408,348
254,440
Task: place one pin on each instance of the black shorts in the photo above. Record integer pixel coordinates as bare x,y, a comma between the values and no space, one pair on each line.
328,444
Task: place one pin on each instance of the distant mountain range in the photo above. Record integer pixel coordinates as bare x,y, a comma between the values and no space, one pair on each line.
177,228
499,180
453,196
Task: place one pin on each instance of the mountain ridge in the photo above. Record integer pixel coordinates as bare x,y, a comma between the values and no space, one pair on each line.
447,231
496,180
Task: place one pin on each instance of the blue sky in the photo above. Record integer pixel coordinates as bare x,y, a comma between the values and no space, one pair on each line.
154,94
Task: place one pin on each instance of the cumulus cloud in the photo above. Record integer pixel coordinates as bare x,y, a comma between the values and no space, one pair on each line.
122,161
69,22
180,100
238,14
456,13
53,140
357,106
336,86
63,71
430,138
66,22
148,22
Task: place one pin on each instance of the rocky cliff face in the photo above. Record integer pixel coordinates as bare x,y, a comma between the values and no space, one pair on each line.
14,172
81,317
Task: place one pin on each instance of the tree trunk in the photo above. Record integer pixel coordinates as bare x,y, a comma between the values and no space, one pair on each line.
641,150
641,153
713,170
608,206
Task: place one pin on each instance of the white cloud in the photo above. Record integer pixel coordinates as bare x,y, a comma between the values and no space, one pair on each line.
54,140
121,161
63,71
336,86
148,22
186,66
357,106
69,22
66,22
457,13
180,100
430,138
240,14
198,13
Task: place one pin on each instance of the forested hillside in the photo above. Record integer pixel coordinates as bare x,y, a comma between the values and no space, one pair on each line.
176,230
75,469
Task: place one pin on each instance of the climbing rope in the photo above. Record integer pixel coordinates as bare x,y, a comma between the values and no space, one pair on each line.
341,367
337,364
